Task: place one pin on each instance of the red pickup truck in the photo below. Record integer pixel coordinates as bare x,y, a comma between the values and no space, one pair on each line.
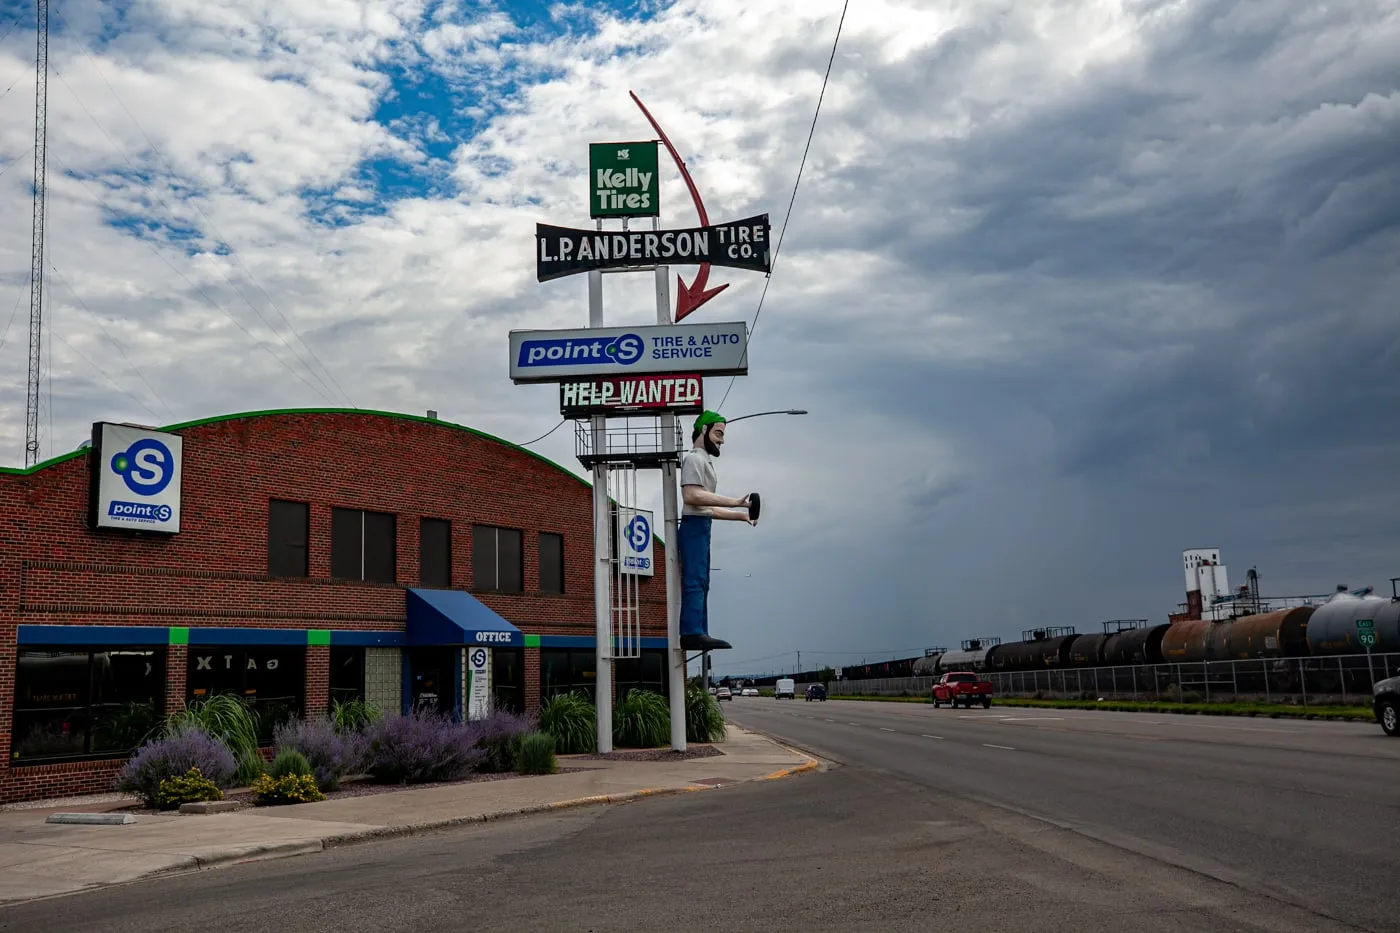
962,688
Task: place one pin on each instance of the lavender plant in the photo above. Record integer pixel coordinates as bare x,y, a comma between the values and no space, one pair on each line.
173,756
331,754
423,746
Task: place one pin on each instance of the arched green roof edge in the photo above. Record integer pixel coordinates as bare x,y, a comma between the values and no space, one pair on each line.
265,413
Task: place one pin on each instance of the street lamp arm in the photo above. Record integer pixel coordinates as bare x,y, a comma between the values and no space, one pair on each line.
789,411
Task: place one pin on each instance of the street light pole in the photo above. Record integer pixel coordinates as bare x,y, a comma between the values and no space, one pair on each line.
705,655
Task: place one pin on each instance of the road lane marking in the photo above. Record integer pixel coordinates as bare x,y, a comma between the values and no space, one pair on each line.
852,723
927,736
831,720
883,729
1006,747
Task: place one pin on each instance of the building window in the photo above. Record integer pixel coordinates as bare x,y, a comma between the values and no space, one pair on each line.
288,527
647,672
79,702
347,674
434,552
508,679
363,546
270,678
562,671
497,560
551,563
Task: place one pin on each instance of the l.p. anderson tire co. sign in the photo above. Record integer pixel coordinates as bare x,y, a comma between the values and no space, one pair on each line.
739,244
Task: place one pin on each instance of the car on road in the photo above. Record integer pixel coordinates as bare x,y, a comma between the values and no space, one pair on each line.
1387,705
816,692
723,694
749,692
962,688
785,687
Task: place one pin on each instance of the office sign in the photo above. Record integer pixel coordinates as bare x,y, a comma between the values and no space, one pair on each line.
648,395
135,478
568,355
739,244
478,683
623,180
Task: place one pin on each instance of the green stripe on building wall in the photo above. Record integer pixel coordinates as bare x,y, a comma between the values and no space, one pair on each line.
318,636
532,641
179,635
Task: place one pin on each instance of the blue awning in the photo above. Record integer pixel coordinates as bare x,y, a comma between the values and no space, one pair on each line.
455,617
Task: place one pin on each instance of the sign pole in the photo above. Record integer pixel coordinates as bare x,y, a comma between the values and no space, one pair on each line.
602,549
674,653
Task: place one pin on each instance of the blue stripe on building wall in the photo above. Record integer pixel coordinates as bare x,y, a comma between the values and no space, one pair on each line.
160,635
93,635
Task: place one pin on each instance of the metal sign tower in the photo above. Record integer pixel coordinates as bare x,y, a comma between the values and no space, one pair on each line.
642,376
36,265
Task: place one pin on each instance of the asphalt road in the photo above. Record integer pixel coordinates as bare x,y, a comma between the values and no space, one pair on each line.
1303,812
997,826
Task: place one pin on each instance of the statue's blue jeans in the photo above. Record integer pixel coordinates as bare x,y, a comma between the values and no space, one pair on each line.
693,536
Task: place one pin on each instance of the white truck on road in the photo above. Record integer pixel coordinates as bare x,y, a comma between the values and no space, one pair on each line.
786,687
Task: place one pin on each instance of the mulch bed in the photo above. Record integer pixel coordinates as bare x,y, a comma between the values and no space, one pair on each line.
650,754
361,787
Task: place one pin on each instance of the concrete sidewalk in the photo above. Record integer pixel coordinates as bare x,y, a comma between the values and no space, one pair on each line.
39,859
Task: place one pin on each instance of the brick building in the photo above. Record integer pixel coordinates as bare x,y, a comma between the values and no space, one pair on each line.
320,555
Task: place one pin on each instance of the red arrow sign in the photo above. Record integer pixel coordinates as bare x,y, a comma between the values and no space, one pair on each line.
688,297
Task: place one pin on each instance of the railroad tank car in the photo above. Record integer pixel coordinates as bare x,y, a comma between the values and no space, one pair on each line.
1087,650
1280,634
1038,649
1184,642
1135,646
1332,628
927,666
973,659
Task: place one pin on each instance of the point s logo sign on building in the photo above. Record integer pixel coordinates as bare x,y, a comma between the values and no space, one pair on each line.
136,476
635,535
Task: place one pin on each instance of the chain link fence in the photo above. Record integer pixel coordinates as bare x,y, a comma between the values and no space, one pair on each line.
1318,681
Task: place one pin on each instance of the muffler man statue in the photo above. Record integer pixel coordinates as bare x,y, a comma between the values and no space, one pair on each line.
702,507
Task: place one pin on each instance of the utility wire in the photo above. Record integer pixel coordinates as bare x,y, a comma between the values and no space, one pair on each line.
225,241
545,434
195,288
797,181
175,217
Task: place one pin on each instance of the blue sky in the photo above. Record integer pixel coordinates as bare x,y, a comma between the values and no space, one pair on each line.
1067,289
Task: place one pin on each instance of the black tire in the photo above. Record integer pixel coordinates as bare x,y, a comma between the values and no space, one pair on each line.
1389,714
986,702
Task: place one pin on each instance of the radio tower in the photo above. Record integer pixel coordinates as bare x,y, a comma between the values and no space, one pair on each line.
36,268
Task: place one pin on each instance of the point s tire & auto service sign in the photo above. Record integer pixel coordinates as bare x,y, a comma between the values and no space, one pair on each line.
136,477
566,355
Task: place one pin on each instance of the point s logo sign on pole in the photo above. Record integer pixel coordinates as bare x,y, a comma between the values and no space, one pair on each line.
562,355
634,534
136,475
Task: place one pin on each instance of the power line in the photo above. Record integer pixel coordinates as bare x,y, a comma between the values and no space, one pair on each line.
175,217
195,288
791,201
217,232
545,434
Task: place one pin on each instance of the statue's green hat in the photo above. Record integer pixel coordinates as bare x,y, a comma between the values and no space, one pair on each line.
708,418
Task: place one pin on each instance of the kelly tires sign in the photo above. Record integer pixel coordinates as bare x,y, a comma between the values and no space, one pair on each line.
739,244
623,181
566,355
136,476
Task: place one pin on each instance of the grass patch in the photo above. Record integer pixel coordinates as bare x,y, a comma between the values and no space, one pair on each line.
1268,710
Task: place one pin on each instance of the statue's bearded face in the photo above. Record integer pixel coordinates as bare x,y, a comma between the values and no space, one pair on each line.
714,439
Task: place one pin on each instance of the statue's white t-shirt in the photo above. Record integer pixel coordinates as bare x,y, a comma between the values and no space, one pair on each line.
698,469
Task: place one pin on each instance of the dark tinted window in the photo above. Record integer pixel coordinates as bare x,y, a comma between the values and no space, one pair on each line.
270,677
363,545
77,701
435,552
497,559
551,563
288,525
347,674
